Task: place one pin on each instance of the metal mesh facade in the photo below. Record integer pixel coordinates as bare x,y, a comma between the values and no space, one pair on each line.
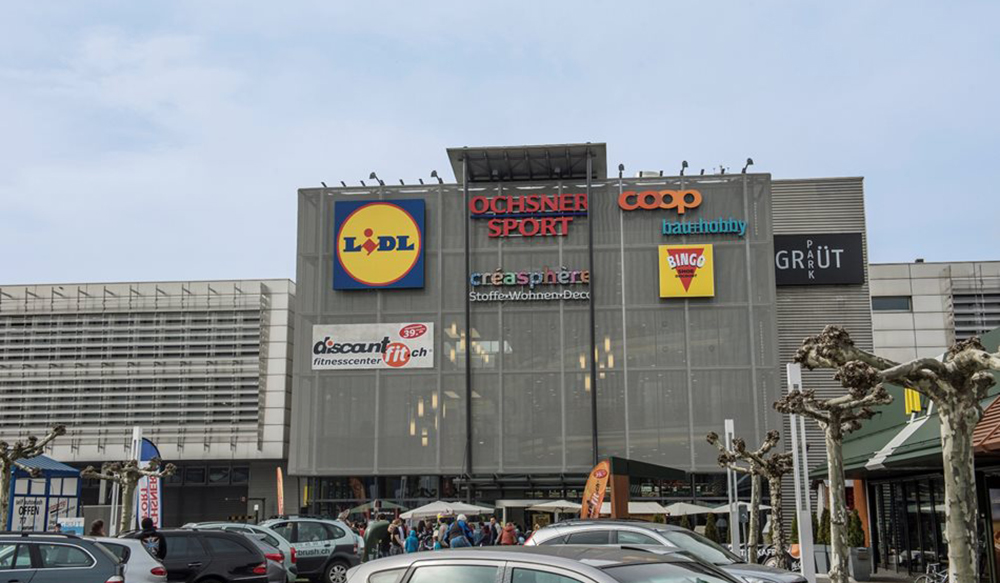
188,362
669,370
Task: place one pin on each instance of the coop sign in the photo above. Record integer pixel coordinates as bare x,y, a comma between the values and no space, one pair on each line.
528,215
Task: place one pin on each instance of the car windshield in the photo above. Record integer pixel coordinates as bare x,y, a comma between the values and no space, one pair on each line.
700,547
689,572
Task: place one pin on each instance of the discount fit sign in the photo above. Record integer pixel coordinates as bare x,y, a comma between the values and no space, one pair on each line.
371,346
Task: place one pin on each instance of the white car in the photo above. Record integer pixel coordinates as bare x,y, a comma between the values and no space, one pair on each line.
140,566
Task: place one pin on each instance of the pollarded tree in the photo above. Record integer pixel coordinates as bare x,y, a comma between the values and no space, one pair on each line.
127,475
956,384
837,417
9,456
759,465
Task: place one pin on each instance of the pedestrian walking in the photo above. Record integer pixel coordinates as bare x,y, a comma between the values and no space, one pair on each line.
412,542
508,536
460,535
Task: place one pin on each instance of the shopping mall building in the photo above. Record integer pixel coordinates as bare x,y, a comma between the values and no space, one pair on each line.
493,337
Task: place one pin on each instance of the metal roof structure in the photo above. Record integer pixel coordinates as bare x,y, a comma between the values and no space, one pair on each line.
525,163
48,466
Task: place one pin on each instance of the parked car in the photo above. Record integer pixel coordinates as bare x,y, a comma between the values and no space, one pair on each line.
263,533
275,560
324,549
40,557
539,564
649,536
195,555
140,566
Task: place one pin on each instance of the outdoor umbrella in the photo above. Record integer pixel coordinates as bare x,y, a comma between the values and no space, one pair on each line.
368,506
445,509
686,509
556,507
725,508
638,508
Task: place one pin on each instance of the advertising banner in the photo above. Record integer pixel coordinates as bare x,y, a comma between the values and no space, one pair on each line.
28,513
597,487
825,259
686,271
373,346
379,244
281,493
149,491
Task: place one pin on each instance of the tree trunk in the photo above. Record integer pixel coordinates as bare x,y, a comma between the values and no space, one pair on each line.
957,425
127,506
5,478
777,520
838,502
753,539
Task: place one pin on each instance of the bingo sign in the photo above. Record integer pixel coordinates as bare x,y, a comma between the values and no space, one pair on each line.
379,244
373,346
686,271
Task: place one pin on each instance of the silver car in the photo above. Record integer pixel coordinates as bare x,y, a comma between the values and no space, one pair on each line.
555,564
140,566
651,536
259,532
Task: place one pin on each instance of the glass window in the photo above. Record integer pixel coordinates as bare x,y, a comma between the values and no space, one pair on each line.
335,532
240,475
701,547
14,556
556,540
61,556
634,538
311,532
590,537
386,576
890,303
665,573
284,530
194,475
184,547
218,475
530,576
454,574
120,552
225,546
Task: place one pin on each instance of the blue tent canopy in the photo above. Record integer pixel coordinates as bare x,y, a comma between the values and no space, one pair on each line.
48,467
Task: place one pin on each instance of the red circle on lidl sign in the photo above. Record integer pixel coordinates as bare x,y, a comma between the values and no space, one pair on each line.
378,244
396,354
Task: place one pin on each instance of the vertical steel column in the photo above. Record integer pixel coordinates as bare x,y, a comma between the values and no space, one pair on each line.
468,327
593,323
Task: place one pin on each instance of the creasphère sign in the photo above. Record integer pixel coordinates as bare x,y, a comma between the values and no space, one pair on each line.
826,259
369,346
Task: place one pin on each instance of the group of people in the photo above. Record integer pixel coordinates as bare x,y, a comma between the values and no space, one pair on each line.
385,536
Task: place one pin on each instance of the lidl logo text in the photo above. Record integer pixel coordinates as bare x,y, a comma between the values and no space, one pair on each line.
379,244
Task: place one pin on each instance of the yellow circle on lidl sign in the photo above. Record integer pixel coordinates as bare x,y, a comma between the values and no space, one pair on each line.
378,244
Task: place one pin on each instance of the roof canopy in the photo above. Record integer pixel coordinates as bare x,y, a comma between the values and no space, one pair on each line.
521,163
48,467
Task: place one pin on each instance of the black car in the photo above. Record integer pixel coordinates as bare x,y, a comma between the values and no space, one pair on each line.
651,536
546,564
45,557
211,555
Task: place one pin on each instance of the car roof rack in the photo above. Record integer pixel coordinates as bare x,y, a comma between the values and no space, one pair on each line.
37,533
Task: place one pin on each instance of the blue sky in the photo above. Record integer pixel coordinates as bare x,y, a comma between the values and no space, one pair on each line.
161,141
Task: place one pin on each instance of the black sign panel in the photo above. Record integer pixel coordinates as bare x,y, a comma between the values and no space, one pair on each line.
827,259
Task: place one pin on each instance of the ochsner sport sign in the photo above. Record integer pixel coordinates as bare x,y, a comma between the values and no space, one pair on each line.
368,346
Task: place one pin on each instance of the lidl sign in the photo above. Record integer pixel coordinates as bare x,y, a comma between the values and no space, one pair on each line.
686,271
379,244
